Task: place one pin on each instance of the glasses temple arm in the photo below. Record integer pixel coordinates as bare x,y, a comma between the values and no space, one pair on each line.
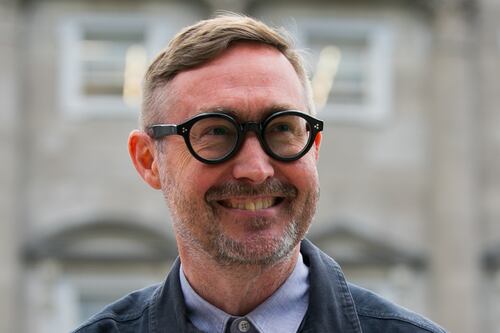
160,131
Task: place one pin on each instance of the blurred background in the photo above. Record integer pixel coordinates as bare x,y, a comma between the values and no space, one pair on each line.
409,166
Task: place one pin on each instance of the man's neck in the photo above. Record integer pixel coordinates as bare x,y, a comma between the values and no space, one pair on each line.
235,290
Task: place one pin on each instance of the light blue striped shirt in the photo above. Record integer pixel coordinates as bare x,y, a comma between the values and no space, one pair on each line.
283,311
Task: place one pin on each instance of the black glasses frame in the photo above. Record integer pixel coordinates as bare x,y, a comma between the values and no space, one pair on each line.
162,130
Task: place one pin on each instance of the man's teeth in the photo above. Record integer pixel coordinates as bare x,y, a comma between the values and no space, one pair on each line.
252,205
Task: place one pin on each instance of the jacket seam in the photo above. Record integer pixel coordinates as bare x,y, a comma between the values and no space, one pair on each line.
152,304
115,317
391,316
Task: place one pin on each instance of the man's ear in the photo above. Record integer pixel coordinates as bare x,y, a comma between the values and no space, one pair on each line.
142,152
317,143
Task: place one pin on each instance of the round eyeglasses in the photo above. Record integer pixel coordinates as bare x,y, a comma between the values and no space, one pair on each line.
216,137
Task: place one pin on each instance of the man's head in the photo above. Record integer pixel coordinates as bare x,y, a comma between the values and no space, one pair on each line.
251,208
204,41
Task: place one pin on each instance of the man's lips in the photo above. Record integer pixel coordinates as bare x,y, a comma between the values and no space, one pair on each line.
248,197
250,203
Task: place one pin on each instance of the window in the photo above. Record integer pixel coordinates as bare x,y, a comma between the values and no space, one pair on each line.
103,60
352,70
77,269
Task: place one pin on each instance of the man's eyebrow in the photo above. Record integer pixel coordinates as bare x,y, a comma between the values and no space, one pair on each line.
278,108
282,107
237,115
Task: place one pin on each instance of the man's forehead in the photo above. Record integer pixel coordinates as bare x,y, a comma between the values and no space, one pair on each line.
244,74
236,58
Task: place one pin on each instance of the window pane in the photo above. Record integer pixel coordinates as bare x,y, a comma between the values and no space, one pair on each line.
104,60
347,83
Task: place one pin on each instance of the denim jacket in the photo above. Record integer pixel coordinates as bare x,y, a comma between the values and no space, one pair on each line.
334,306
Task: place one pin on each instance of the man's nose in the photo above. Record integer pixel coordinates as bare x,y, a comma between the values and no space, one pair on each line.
252,163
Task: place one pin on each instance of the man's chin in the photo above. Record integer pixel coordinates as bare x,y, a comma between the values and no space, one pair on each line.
263,252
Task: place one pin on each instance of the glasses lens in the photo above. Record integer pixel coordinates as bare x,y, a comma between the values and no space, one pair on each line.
287,135
212,138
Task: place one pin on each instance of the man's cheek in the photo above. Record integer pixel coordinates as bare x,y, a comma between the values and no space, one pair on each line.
181,167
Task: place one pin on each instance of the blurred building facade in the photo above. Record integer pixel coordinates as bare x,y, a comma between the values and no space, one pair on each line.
410,197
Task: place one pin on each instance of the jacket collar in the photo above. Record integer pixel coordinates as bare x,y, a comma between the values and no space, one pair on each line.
168,309
331,306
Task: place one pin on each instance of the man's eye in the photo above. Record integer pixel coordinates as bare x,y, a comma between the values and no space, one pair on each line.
218,131
281,128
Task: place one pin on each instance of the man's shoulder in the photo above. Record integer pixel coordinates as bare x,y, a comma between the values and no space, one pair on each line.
128,314
377,314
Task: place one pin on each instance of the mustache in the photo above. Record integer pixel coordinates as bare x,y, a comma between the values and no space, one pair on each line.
271,187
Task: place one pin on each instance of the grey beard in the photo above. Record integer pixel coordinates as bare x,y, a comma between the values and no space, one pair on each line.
233,253
225,250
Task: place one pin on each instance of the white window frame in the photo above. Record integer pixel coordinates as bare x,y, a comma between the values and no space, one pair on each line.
71,31
378,105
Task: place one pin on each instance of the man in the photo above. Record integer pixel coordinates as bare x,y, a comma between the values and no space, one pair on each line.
228,135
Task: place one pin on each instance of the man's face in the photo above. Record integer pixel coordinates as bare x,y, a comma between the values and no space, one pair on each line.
250,209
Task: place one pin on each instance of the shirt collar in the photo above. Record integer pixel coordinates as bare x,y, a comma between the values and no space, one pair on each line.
281,312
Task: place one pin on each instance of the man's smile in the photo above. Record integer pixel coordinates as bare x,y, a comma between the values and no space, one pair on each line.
251,203
251,198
